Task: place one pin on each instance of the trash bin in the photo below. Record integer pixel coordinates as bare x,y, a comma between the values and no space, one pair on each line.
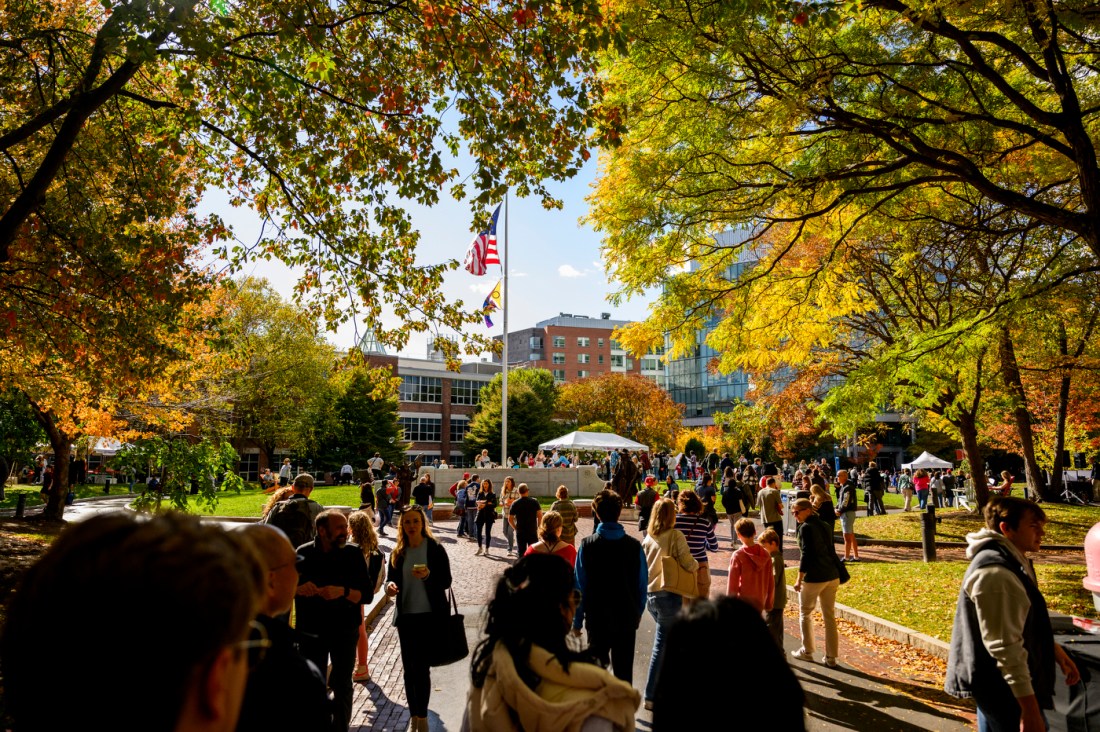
790,524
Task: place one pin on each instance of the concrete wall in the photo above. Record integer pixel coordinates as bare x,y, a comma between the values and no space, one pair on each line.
581,482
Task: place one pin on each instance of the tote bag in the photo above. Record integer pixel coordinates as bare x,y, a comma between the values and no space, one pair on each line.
675,578
449,644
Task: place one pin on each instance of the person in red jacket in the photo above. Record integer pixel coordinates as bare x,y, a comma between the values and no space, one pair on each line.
751,576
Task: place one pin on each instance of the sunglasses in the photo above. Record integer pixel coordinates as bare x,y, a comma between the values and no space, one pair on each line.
255,645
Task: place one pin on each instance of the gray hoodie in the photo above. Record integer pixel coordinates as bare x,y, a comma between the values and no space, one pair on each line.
1002,606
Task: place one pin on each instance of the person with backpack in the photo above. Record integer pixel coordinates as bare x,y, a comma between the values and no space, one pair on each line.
297,515
733,500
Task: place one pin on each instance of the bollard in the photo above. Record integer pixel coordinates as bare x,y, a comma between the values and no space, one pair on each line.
20,505
928,533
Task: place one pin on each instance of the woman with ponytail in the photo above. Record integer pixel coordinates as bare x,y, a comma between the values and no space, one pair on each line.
524,675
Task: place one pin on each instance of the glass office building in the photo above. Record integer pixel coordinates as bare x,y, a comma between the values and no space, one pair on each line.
692,381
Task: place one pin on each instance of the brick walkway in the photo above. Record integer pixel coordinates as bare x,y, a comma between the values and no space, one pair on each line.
380,706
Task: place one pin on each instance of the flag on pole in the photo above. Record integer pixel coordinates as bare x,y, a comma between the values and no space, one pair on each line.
483,249
492,302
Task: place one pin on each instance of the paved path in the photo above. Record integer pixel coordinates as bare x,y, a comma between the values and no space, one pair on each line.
881,685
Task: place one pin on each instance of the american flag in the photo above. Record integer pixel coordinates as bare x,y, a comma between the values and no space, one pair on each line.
483,249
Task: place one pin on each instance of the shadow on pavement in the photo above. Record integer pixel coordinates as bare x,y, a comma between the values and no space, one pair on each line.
857,705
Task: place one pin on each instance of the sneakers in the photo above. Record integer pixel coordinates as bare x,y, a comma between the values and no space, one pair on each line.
802,655
361,674
831,662
478,553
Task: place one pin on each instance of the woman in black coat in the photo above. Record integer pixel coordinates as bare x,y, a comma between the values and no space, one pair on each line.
419,577
486,514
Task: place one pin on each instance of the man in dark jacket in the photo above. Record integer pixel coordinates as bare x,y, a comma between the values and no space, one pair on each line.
645,500
1003,652
612,576
333,582
871,481
285,691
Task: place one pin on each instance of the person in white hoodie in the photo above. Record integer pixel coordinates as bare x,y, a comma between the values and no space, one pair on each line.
1002,646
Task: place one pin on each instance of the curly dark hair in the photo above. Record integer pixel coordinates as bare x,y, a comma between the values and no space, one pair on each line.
526,610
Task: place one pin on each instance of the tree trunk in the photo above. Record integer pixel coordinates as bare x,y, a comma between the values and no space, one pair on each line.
62,446
968,431
1010,372
1060,419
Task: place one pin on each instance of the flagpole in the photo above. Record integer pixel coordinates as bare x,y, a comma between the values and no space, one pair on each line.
504,358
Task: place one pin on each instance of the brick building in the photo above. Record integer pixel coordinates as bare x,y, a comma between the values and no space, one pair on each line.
573,347
435,405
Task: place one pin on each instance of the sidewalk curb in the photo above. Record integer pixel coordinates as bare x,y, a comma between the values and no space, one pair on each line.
891,631
900,543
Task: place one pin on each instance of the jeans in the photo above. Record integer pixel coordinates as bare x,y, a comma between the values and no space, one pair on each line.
663,606
807,601
461,524
471,520
922,498
487,528
510,535
876,506
411,632
998,710
337,647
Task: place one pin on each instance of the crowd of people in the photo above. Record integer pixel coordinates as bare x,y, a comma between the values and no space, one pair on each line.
558,646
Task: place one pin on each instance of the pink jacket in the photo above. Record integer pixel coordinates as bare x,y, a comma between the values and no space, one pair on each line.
751,577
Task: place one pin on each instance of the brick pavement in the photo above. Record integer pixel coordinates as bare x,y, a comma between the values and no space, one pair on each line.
380,705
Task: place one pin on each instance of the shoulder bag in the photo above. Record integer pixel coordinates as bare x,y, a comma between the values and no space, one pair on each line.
449,644
676,579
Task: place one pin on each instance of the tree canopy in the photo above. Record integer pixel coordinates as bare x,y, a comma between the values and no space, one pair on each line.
532,398
633,405
325,118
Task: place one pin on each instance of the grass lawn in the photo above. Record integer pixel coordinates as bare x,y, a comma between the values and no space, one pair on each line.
1065,524
34,499
923,596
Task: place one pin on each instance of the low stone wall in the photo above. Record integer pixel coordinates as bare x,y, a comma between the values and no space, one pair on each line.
581,481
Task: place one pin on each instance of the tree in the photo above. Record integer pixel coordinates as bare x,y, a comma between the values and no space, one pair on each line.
727,114
364,419
19,432
633,405
280,390
324,117
532,398
186,466
597,427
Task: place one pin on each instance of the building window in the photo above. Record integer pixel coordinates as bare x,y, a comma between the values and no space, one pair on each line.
422,429
617,361
599,359
650,363
459,428
615,345
559,376
599,342
583,358
583,342
466,391
559,341
559,358
422,389
535,342
582,374
629,364
248,467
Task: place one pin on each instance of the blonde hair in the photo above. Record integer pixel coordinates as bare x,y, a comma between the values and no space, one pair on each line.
280,495
548,529
563,493
362,531
819,493
402,540
663,517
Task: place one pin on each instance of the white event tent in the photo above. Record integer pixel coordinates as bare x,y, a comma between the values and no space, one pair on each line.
591,441
928,460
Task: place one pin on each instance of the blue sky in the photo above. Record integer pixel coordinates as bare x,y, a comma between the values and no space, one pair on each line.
555,261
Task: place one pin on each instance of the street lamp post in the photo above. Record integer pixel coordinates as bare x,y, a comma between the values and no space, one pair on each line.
836,458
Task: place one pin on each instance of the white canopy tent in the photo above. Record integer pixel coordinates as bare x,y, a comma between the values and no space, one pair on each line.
106,446
591,441
928,460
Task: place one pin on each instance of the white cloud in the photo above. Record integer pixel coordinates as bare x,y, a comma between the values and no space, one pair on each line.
598,265
517,274
568,270
483,288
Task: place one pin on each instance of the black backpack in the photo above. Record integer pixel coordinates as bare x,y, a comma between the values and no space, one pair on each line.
295,519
